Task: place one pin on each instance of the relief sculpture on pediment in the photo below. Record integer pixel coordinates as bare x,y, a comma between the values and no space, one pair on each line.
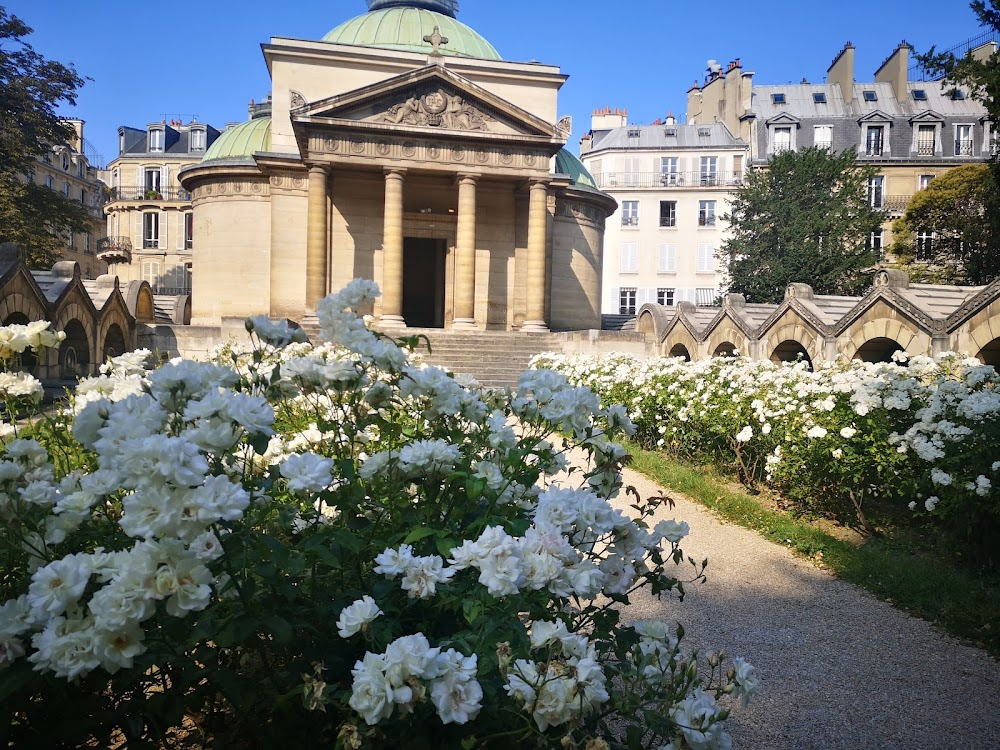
437,108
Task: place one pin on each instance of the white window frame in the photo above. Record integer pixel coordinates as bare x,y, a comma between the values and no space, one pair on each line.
630,213
935,141
672,215
925,240
666,296
151,230
709,170
883,142
628,257
924,180
706,257
789,145
631,175
667,252
627,297
991,139
823,142
49,182
876,240
876,191
965,146
151,273
188,230
66,189
157,140
706,213
669,174
155,184
202,139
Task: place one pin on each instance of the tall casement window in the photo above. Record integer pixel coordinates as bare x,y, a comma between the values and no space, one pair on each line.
188,231
668,170
151,230
706,213
823,136
626,300
630,213
156,139
668,213
924,180
709,170
926,140
876,192
629,260
665,296
963,140
925,241
151,273
991,143
197,139
153,179
782,139
875,140
876,240
631,174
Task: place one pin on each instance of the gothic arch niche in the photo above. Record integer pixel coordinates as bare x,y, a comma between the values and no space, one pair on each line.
879,349
679,350
74,352
27,361
725,349
791,350
114,343
990,354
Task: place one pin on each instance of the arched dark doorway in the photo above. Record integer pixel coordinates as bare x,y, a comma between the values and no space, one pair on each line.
791,351
74,352
725,349
878,350
990,354
114,343
679,350
27,361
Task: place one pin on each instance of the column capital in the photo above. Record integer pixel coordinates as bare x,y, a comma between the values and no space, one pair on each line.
317,168
539,182
467,177
399,172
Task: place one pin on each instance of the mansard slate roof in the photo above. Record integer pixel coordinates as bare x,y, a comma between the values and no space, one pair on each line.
655,137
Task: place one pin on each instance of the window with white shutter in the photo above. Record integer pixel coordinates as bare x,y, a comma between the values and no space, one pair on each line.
705,296
151,230
629,257
706,257
668,258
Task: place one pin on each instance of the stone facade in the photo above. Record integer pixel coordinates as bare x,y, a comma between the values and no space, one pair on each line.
431,174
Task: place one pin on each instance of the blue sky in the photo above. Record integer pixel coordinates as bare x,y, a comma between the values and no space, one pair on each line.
151,61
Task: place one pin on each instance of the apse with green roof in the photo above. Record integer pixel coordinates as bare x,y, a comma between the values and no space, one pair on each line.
241,142
410,26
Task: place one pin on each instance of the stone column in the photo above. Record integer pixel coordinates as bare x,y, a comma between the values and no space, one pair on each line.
465,254
392,249
538,219
317,235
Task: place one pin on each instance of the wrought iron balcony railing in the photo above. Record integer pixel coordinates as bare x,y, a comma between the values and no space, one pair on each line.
148,194
668,179
115,250
894,204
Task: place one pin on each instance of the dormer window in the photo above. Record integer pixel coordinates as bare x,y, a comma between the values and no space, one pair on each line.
704,132
65,162
777,98
670,132
919,95
634,132
197,140
819,98
869,96
156,139
957,95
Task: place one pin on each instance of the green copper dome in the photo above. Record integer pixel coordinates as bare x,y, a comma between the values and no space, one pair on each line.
568,163
404,28
241,142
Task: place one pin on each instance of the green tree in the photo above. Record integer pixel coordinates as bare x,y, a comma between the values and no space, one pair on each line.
31,88
943,237
981,75
806,218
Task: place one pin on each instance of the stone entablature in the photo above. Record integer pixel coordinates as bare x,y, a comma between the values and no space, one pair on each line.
895,315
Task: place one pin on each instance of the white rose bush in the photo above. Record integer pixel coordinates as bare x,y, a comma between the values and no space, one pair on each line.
333,546
920,432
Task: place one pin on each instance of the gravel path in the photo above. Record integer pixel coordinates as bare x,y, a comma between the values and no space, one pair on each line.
839,669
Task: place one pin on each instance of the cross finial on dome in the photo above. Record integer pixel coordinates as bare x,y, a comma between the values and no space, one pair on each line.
436,40
445,7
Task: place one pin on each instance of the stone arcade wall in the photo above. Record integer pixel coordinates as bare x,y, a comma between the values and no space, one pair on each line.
895,315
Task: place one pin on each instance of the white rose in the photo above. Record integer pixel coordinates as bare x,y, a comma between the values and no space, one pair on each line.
371,693
357,617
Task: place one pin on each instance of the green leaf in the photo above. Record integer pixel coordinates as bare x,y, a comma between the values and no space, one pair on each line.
418,533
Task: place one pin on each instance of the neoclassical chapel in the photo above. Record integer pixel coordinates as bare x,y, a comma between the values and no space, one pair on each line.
401,147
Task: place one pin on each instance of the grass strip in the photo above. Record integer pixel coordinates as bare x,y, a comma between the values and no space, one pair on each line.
897,570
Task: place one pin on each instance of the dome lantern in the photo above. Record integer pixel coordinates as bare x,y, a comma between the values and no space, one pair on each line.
445,7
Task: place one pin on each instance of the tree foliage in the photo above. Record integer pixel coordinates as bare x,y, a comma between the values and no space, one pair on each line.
806,218
981,75
31,88
952,207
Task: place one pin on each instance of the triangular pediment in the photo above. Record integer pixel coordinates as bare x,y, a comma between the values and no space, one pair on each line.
432,98
876,116
928,115
783,118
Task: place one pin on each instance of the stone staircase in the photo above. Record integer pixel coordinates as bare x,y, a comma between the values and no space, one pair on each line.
494,358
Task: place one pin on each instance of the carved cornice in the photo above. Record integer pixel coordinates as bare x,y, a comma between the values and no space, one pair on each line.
231,189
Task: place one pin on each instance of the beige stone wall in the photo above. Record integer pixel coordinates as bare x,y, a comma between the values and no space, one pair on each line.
232,258
576,261
287,246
